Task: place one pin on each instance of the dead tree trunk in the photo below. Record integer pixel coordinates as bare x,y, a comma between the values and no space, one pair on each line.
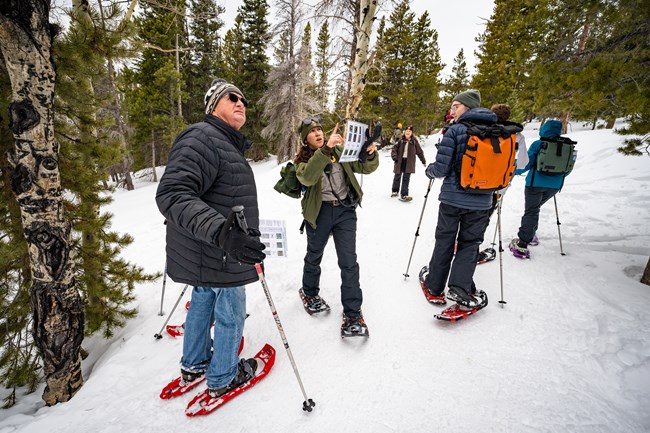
57,308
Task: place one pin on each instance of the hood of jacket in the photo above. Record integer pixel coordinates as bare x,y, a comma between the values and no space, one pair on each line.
478,115
551,128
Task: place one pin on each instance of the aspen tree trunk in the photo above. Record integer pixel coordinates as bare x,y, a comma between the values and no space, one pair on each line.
362,61
57,308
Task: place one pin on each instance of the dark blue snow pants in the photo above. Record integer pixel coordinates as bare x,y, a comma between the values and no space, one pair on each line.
535,197
342,223
466,226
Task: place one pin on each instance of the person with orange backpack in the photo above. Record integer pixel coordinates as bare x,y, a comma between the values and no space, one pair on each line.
462,214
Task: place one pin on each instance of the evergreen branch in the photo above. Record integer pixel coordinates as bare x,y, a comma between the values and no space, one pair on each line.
172,50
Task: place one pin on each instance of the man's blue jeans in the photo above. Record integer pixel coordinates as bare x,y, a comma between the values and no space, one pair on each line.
226,307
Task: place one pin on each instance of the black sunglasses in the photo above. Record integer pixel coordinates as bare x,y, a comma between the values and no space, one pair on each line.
236,98
310,120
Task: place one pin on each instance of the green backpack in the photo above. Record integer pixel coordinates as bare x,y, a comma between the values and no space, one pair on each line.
288,183
557,156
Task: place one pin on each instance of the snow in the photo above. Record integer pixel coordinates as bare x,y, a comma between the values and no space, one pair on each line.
568,352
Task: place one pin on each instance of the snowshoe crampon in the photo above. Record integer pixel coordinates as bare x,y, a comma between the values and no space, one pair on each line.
313,304
457,312
487,255
354,327
179,387
203,404
431,298
176,330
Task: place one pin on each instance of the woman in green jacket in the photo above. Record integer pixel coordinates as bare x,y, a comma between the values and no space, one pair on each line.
329,207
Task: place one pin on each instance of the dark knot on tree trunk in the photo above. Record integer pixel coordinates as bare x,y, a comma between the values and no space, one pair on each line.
23,116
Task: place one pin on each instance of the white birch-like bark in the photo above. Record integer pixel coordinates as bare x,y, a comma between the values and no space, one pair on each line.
57,309
362,61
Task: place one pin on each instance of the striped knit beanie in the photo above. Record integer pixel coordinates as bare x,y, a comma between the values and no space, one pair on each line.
217,90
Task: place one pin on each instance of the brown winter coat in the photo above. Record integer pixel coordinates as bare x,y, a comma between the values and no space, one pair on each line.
398,151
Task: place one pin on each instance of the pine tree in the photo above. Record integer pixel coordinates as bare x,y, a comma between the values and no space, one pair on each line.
404,85
233,51
152,85
323,66
255,71
105,280
506,50
207,56
420,100
396,47
306,83
459,79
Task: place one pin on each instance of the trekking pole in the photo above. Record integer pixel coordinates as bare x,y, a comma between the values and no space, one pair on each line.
496,229
158,336
417,231
502,302
557,216
308,404
162,296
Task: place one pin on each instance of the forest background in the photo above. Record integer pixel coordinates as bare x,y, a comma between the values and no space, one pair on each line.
122,79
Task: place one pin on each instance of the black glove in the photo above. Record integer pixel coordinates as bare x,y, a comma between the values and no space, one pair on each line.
429,172
241,246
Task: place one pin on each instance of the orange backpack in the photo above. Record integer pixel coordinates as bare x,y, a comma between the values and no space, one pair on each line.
489,161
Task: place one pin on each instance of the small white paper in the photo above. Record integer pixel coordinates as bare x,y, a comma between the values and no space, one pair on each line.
355,136
273,234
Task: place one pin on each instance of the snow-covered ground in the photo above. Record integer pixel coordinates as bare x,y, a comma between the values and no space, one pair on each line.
569,352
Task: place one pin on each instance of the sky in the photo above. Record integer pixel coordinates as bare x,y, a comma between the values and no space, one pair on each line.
568,351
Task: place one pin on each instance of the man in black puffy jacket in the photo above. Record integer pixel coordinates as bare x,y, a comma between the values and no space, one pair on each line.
462,214
206,176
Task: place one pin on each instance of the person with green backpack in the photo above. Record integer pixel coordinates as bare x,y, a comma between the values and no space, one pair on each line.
332,194
550,160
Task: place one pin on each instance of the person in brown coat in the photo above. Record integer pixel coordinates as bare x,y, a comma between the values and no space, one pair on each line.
403,154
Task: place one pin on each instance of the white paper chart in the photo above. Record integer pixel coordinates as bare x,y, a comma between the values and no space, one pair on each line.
355,136
274,236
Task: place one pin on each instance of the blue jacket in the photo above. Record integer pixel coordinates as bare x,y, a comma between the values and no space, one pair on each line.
551,128
448,160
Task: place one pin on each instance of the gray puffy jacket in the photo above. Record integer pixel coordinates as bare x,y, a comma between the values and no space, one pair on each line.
205,177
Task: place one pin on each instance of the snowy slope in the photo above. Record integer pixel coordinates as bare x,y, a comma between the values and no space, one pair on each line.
569,352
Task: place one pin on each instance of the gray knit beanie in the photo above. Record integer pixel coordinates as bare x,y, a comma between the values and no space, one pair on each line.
218,89
470,98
